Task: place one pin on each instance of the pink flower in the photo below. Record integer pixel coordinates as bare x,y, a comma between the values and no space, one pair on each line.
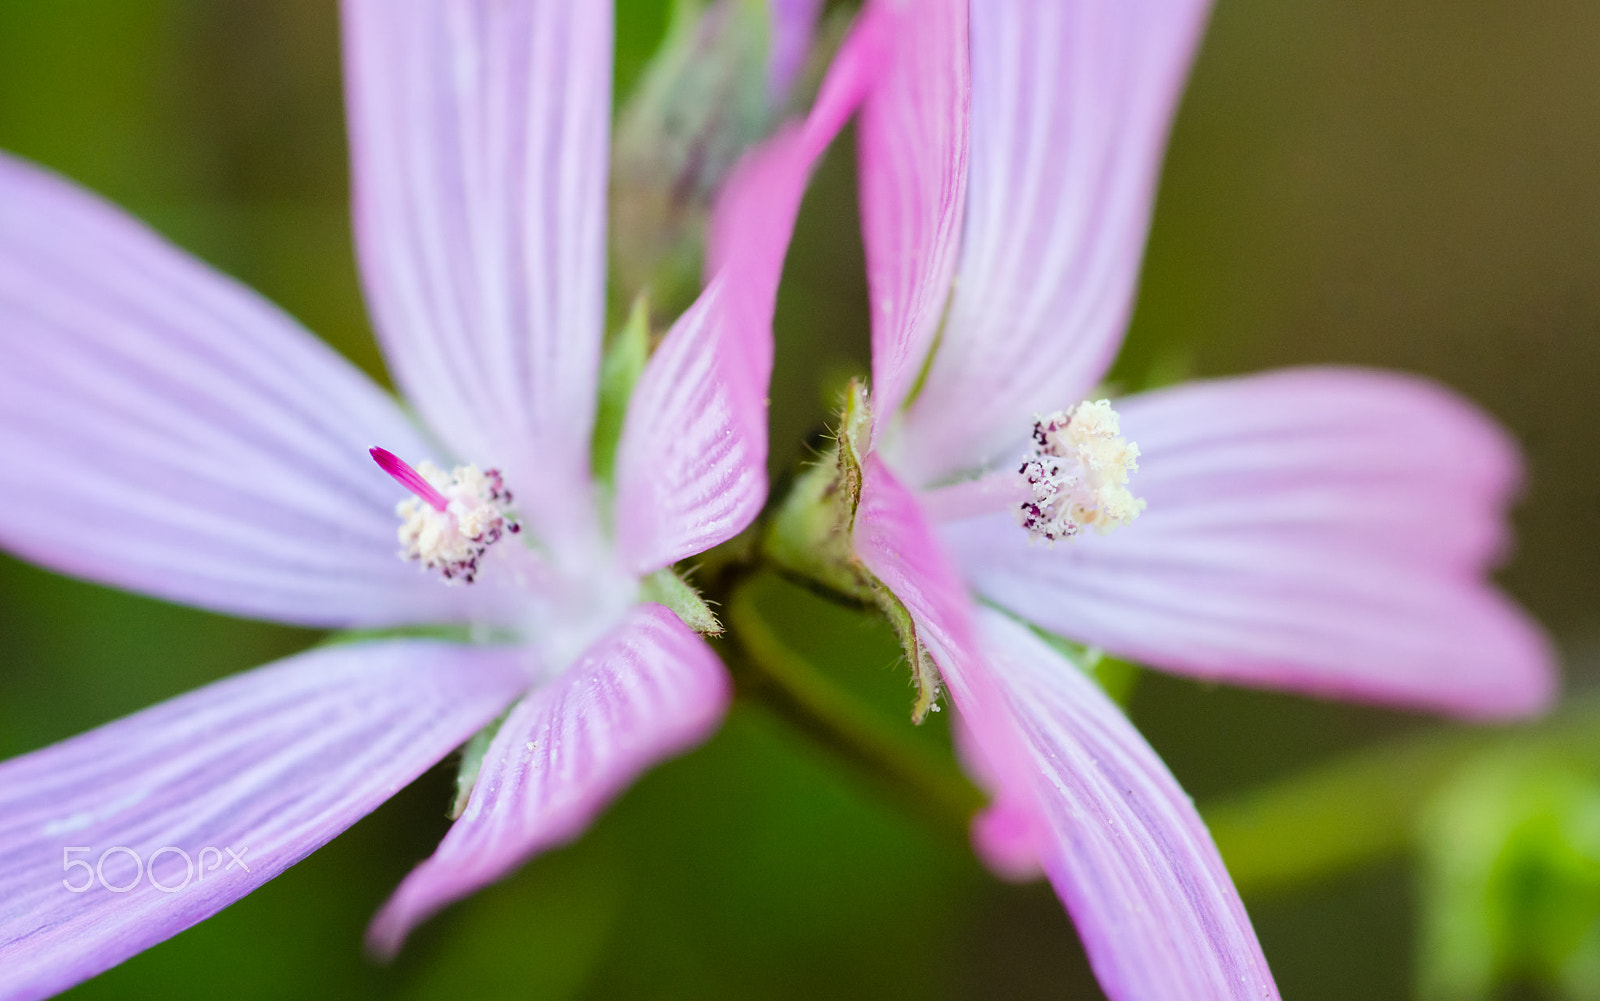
169,432
1323,530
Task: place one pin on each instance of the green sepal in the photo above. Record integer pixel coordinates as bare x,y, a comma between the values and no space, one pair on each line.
812,540
855,441
665,587
810,537
463,634
472,763
924,672
933,350
624,362
1116,677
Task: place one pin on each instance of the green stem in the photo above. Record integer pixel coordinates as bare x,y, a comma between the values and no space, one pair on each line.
1366,806
766,671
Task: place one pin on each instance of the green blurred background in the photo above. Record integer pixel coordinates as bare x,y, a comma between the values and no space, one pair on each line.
1406,183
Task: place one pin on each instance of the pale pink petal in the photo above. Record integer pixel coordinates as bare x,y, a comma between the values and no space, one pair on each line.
166,430
896,542
691,465
913,151
997,490
1070,110
1324,530
1119,839
1006,834
650,689
267,766
479,133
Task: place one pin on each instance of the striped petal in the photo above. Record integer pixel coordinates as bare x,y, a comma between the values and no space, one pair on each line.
913,142
479,133
1323,530
1071,103
691,465
167,431
120,838
894,540
647,691
1119,839
1076,788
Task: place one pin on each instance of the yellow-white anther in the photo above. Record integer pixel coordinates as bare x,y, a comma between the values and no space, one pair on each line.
1077,473
453,539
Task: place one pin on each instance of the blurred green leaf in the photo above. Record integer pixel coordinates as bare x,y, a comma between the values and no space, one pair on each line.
1369,804
535,936
1511,879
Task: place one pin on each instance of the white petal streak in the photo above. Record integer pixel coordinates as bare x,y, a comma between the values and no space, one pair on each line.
1120,840
1324,530
1077,786
691,464
269,765
167,431
913,151
479,134
648,690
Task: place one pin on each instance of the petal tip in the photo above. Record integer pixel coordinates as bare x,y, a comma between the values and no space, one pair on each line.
1530,683
390,927
1003,839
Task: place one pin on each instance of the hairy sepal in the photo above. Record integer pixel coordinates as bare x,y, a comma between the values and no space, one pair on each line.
812,538
665,587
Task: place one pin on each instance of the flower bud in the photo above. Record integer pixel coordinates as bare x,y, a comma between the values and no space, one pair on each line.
718,85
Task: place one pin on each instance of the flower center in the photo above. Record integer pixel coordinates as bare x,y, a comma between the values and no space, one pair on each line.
1077,473
453,519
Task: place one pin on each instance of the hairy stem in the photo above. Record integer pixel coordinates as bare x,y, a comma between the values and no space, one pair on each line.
767,672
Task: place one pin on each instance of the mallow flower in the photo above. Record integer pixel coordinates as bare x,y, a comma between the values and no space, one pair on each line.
1324,530
169,432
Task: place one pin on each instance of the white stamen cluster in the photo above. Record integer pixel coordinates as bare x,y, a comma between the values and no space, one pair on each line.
452,541
1077,473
